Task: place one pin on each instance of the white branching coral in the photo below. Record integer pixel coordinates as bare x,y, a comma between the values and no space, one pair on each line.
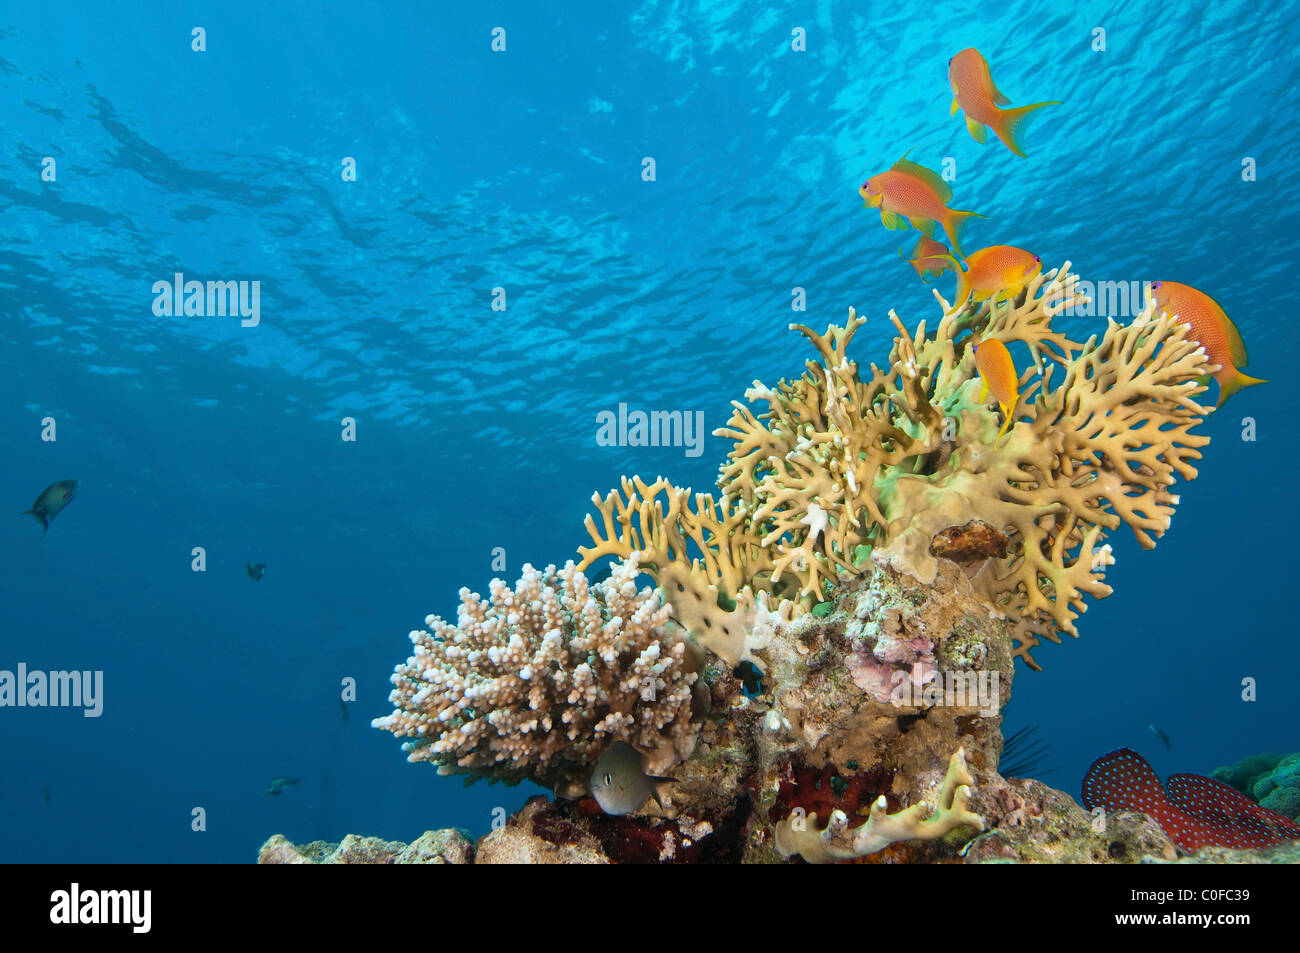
921,821
849,463
539,680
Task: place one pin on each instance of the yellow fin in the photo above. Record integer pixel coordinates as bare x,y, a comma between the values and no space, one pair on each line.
893,220
979,132
1001,433
926,226
1235,383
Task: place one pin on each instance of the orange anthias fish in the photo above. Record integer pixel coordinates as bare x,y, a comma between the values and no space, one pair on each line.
1212,328
999,271
974,94
930,258
911,194
998,372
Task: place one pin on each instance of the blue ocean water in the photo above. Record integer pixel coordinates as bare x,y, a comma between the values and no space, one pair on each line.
475,428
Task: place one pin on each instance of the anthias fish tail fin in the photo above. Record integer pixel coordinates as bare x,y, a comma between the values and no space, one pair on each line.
1011,125
954,225
1238,381
961,294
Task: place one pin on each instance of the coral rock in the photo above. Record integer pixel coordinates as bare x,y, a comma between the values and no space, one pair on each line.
538,834
447,846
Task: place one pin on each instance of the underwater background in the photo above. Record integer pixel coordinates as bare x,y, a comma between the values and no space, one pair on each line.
475,428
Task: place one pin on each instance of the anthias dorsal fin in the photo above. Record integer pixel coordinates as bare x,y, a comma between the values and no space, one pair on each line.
931,179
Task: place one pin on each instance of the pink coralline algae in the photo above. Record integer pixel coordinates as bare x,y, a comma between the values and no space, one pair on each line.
1194,811
882,672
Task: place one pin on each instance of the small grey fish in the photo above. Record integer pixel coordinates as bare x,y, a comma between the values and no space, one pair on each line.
51,502
619,782
278,785
255,570
1161,735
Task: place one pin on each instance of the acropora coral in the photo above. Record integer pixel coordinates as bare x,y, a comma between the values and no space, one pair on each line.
851,462
539,680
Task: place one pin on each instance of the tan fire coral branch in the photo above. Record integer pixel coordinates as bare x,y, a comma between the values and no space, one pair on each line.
799,835
847,462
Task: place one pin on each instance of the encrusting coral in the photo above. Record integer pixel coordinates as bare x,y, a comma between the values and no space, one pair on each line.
850,463
799,835
538,681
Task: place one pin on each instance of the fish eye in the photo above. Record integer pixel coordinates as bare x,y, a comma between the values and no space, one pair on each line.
609,779
1037,259
1156,284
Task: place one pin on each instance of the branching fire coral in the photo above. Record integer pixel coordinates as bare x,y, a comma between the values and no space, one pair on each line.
848,462
799,835
538,682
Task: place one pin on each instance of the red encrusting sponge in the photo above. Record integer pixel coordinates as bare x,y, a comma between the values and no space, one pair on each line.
1194,811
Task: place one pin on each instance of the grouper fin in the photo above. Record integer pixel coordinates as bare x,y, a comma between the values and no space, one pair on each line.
40,518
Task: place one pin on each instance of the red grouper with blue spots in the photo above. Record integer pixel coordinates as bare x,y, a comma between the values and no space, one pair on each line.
1195,811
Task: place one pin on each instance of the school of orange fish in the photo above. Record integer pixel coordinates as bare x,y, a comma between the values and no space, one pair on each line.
909,195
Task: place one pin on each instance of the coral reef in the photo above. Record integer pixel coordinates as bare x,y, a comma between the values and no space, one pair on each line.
821,671
538,681
808,740
1272,780
850,462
